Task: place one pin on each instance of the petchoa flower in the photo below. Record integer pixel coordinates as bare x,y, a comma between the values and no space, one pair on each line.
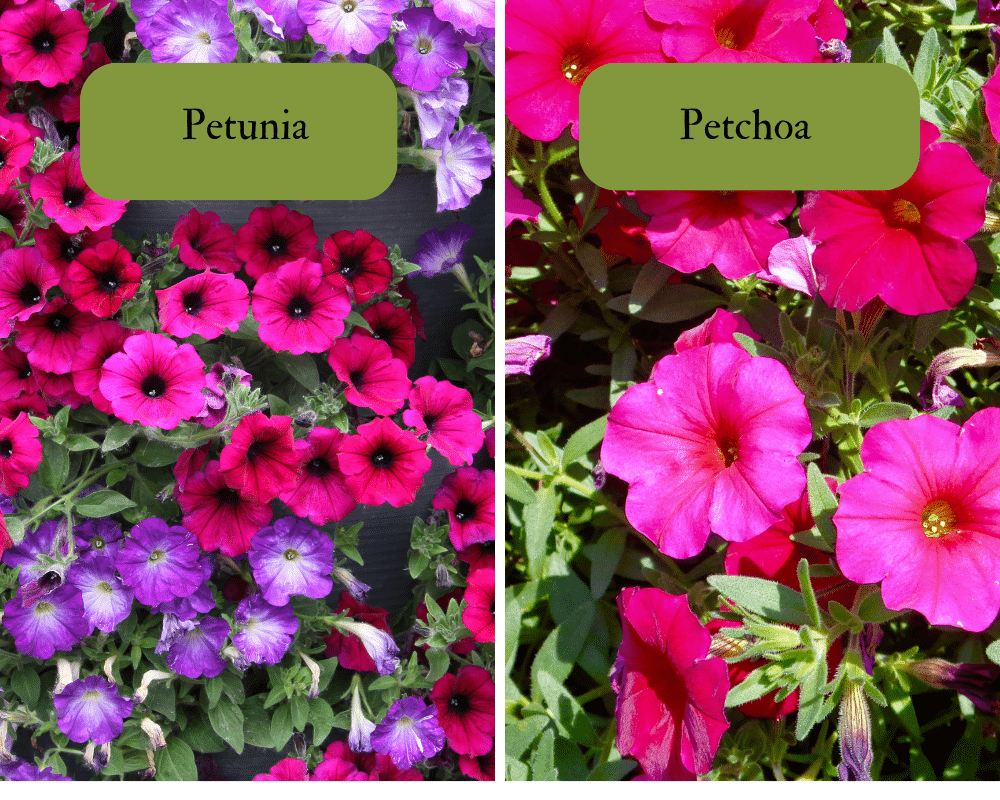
68,200
191,32
102,277
348,25
521,354
735,231
154,381
924,518
160,562
207,304
38,42
291,557
205,241
264,632
464,161
464,704
427,50
724,430
90,709
671,695
719,327
274,236
789,264
444,412
383,463
552,46
440,250
467,495
904,245
359,261
409,733
517,206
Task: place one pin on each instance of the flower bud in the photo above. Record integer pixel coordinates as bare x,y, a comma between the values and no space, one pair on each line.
979,682
314,671
357,589
66,673
379,644
359,739
855,733
148,678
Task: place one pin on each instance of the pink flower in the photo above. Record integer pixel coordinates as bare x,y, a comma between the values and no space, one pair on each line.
25,277
789,264
719,327
297,310
552,46
51,336
735,31
468,496
444,412
206,304
724,431
517,206
733,230
320,494
903,245
374,378
671,695
924,518
383,464
68,200
96,346
205,242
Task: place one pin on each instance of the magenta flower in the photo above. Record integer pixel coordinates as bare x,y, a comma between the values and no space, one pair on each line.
320,494
40,42
90,709
468,495
298,310
51,336
904,245
154,381
383,464
25,277
260,459
924,518
718,328
374,378
444,412
20,453
68,200
736,31
289,558
427,50
207,305
552,46
733,230
274,236
102,278
205,242
671,695
96,346
724,431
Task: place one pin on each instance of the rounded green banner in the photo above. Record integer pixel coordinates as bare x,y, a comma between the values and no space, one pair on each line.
749,126
216,132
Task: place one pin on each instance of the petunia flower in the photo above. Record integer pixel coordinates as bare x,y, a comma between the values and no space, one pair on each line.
102,277
383,463
367,637
205,242
438,110
409,733
924,518
789,264
191,32
724,430
517,206
444,412
20,453
55,622
274,236
735,231
260,459
521,354
106,600
208,305
427,50
464,704
463,162
60,248
51,336
479,615
359,261
320,494
904,245
195,652
97,345
264,632
90,709
68,200
467,495
25,277
17,144
160,562
671,695
16,375
394,326
345,25
374,378
440,250
291,557
39,42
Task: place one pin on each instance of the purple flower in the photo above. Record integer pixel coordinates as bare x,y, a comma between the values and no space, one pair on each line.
427,50
379,645
219,378
521,354
345,25
486,50
106,600
195,652
467,15
264,632
173,626
192,32
39,542
185,608
160,562
102,536
437,111
91,709
463,162
291,557
440,250
409,733
55,622
21,770
272,27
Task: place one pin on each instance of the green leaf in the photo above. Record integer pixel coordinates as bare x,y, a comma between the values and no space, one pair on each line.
993,652
77,442
604,555
175,762
521,734
812,607
156,454
7,227
811,697
567,712
754,686
281,726
612,770
302,368
822,504
321,719
213,691
593,264
757,348
300,712
883,412
543,765
872,609
102,503
54,469
201,737
925,64
512,628
118,435
26,684
890,51
517,488
767,598
437,662
561,648
257,725
584,440
539,519
673,303
227,721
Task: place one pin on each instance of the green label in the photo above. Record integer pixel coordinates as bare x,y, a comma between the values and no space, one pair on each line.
749,126
216,132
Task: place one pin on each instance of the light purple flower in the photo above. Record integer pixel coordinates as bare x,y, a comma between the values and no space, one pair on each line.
160,562
286,16
379,645
106,600
521,354
192,32
427,50
21,770
268,22
201,602
102,536
463,162
440,250
789,264
437,111
264,632
196,652
486,50
345,25
467,15
324,56
291,557
173,626
409,733
56,622
91,709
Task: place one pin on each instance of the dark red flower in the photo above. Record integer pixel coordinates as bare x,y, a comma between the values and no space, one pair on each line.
103,277
206,304
274,236
383,464
28,402
96,346
348,649
219,516
392,325
25,277
52,335
68,200
58,390
260,458
480,598
205,242
465,710
357,260
413,308
480,768
374,378
69,100
39,42
320,495
468,496
20,453
444,412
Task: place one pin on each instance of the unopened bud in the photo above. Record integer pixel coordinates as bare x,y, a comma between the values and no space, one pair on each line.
236,656
934,392
442,576
359,739
357,589
108,669
314,671
726,646
855,734
979,682
66,673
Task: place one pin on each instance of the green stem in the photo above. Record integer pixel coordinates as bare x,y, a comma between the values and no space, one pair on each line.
548,204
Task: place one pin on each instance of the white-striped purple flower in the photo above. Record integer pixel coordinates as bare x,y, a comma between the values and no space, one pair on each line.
201,602
291,557
196,653
409,733
192,32
161,562
464,161
26,554
345,25
91,709
106,600
55,622
264,632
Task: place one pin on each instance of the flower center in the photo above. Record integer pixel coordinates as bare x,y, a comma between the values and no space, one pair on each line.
192,302
153,386
729,449
291,554
204,37
104,588
459,704
57,323
44,608
6,448
319,467
349,266
356,377
348,6
256,450
43,42
70,250
30,294
465,509
382,458
155,556
905,213
938,519
73,197
299,307
227,496
576,65
276,244
97,543
108,281
25,372
424,45
3,159
93,696
726,38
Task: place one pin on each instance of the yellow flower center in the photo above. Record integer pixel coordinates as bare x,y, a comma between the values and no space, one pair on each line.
203,37
938,520
93,695
905,213
726,38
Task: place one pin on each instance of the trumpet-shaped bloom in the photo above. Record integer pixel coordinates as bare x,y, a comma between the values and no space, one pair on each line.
724,431
924,518
90,709
383,464
39,42
291,557
409,733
